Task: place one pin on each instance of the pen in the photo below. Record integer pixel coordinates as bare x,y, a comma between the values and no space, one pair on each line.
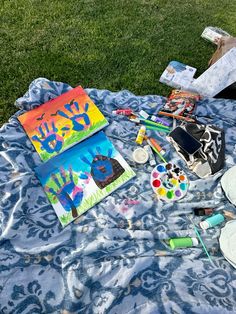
167,114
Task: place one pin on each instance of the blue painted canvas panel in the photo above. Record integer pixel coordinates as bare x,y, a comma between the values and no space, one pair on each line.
82,176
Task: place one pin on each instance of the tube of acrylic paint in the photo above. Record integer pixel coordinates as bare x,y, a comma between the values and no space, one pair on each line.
152,142
152,160
183,242
143,114
124,112
212,221
203,211
141,134
156,119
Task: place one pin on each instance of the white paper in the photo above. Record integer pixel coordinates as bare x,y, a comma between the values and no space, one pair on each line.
220,75
178,75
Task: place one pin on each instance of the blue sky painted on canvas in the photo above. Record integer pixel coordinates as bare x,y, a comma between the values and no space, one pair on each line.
72,157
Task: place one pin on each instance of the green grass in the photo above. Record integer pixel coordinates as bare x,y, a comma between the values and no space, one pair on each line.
107,44
98,196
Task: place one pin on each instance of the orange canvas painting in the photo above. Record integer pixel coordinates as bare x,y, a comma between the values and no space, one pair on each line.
62,122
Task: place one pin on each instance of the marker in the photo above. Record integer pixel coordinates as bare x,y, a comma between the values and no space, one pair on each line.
176,116
124,112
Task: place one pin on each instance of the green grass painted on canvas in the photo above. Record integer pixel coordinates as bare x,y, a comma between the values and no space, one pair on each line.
52,184
103,44
98,196
66,218
97,126
76,137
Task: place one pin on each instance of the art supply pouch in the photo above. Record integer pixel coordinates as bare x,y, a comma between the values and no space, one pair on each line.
181,103
209,159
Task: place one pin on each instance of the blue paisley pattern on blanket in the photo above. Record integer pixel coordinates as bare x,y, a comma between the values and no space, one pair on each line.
114,258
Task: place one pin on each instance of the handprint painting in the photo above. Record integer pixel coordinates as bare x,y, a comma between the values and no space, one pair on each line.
82,176
62,122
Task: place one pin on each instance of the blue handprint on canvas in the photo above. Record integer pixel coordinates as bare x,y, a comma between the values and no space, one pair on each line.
48,138
67,192
78,116
104,169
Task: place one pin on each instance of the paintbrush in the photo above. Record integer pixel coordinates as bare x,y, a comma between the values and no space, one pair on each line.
201,241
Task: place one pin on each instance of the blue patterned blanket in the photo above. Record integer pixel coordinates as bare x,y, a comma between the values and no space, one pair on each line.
114,258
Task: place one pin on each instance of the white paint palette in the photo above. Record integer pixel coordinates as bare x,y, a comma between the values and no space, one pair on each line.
169,182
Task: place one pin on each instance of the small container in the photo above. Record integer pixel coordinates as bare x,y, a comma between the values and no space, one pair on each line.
140,155
141,134
203,211
176,243
212,221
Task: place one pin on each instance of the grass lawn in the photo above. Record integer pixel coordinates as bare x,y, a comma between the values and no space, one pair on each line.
110,44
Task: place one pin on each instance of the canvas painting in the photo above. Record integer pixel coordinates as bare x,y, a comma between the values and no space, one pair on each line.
62,122
82,176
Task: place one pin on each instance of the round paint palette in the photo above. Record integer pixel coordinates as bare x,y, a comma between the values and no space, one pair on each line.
169,182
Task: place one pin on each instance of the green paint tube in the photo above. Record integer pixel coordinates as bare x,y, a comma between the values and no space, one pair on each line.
176,243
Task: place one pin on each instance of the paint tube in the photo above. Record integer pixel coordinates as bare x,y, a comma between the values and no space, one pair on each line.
124,112
176,243
153,143
143,114
212,221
